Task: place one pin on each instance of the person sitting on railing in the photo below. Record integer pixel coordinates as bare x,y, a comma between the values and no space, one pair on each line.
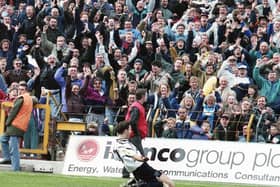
201,133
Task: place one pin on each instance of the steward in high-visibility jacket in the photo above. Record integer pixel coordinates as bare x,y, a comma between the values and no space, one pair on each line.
19,116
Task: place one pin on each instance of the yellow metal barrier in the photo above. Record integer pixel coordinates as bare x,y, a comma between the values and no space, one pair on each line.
249,127
44,148
154,122
70,126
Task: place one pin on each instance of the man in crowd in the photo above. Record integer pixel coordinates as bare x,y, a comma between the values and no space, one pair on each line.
137,118
16,125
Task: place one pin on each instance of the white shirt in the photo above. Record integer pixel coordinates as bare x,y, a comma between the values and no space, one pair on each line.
124,151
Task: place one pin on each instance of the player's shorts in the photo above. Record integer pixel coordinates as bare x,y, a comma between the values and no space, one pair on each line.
146,173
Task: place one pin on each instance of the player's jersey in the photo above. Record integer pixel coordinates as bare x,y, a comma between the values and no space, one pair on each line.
124,151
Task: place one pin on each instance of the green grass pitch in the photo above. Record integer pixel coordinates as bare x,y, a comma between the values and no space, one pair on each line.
22,179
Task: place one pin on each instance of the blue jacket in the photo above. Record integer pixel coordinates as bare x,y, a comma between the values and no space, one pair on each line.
60,79
199,116
183,129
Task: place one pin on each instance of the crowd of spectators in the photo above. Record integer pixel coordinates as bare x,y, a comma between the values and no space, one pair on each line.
207,66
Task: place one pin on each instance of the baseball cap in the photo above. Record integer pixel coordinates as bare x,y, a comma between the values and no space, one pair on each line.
242,66
225,115
138,60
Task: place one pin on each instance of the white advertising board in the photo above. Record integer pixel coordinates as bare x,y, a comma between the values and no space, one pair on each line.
194,160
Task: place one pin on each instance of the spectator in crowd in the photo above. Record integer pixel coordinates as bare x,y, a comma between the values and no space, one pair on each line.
229,69
252,136
74,100
264,117
120,115
92,129
166,128
224,90
252,94
241,114
169,130
198,71
48,81
228,105
201,133
241,82
194,89
183,124
3,65
6,51
28,23
156,77
225,131
160,103
120,95
176,74
179,44
17,74
274,134
59,76
268,87
95,97
137,73
59,49
206,107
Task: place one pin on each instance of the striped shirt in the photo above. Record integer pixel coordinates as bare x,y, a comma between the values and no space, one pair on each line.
124,151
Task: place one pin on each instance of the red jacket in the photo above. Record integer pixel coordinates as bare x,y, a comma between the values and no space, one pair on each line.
142,124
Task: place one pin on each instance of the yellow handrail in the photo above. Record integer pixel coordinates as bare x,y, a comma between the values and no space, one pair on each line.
249,127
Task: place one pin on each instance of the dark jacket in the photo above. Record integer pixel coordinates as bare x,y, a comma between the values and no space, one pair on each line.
230,134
